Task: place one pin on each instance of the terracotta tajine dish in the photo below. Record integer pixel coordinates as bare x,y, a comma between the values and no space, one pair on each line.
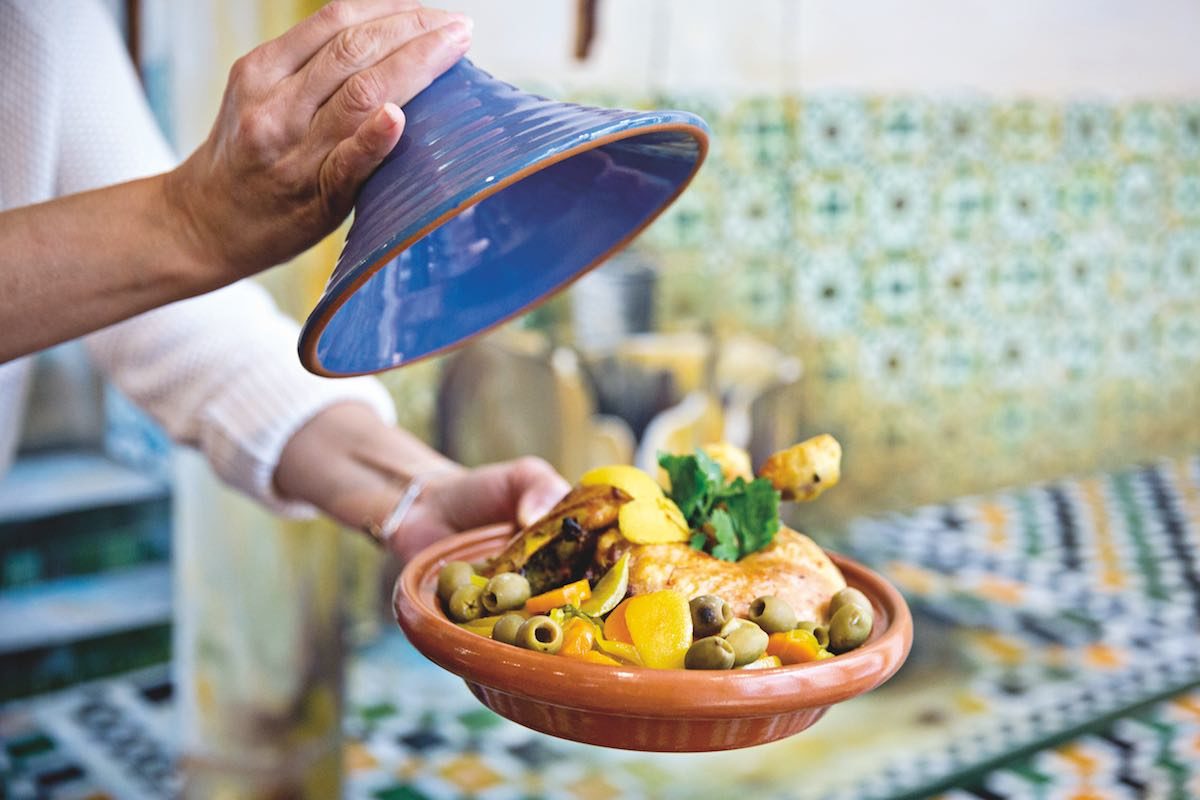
635,708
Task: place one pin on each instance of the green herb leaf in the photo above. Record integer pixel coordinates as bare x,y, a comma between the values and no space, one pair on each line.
755,512
691,488
744,517
727,547
711,470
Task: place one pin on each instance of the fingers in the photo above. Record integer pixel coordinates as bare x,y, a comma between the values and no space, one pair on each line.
539,488
353,159
520,491
397,78
293,49
357,48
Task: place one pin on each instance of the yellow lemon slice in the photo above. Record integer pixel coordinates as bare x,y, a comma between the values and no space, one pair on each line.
630,480
652,522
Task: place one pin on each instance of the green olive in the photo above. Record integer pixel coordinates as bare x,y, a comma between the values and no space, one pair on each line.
819,632
540,633
465,604
505,629
849,628
850,596
453,575
709,614
504,592
748,642
772,615
711,652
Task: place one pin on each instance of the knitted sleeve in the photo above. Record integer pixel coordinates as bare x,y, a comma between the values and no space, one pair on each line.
220,372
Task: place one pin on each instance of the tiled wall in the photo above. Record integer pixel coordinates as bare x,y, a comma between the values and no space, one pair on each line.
983,292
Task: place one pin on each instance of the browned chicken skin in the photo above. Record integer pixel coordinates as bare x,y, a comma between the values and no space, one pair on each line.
791,568
581,538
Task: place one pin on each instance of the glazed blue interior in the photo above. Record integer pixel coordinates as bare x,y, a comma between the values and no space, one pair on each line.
505,253
464,135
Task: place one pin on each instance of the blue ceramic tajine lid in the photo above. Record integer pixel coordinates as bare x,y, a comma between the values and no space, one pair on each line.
493,200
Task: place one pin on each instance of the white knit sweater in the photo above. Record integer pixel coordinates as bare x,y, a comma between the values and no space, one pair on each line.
219,372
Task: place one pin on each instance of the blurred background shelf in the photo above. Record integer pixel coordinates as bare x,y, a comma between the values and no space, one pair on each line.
92,606
44,485
85,572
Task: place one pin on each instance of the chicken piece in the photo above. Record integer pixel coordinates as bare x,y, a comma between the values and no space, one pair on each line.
561,546
803,471
734,461
791,568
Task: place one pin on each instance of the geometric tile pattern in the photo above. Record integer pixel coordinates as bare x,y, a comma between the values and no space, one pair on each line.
1108,558
983,292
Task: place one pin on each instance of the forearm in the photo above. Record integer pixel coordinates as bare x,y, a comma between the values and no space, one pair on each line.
85,261
350,464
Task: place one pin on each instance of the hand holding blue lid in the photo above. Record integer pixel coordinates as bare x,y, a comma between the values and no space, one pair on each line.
305,119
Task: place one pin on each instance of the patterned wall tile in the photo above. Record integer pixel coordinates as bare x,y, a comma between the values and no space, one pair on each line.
984,291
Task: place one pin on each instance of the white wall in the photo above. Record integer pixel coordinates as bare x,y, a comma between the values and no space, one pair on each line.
1049,48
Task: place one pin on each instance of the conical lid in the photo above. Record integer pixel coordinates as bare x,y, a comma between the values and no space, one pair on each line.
493,200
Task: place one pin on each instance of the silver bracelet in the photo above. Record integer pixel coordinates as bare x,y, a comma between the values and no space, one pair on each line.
384,531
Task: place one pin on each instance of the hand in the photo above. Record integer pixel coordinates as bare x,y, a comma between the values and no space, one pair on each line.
304,120
347,462
512,492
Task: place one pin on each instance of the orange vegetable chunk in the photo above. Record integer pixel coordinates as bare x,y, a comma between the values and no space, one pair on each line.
660,624
579,637
597,658
615,628
794,647
570,595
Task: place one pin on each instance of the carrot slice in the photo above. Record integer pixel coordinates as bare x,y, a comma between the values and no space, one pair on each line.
794,647
570,595
615,627
579,636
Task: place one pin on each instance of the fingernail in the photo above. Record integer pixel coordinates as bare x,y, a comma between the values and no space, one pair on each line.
534,508
459,32
391,114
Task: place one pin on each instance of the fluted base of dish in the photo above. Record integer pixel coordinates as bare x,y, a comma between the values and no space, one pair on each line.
659,735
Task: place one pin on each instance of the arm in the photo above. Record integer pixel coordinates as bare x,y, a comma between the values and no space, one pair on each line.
220,371
305,119
366,466
135,260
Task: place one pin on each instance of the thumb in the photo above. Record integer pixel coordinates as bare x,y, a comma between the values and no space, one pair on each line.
537,502
537,487
353,160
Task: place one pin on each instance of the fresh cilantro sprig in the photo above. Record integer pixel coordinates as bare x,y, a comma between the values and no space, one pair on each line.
728,520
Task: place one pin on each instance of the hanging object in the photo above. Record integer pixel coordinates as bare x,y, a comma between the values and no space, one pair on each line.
585,27
493,200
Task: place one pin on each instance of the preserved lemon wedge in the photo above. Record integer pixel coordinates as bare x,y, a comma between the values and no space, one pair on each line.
630,480
657,521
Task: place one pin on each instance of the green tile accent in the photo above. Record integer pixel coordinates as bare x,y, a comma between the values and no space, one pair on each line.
378,711
30,746
400,792
480,720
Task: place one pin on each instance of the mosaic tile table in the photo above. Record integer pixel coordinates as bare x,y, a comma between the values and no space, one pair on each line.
1055,658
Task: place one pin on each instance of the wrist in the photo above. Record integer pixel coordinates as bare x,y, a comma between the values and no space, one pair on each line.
192,240
409,507
352,465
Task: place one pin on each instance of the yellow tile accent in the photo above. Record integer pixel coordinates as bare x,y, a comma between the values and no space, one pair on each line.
1103,656
357,758
593,787
470,774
